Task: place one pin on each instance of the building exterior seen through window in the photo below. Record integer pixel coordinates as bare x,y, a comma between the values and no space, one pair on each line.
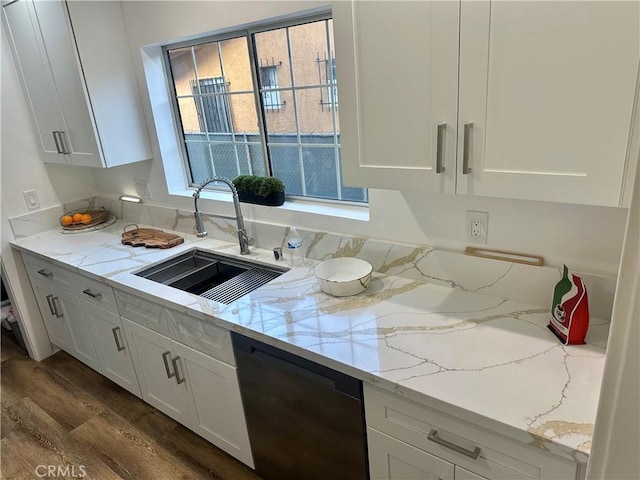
263,102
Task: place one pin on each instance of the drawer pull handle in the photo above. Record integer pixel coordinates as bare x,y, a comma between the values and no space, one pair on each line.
97,296
175,367
433,436
44,273
170,374
115,337
49,297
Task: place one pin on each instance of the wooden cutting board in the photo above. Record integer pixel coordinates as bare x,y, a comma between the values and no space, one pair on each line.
151,238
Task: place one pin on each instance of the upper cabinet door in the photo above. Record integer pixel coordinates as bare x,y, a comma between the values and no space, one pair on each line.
23,31
80,136
546,95
397,68
79,80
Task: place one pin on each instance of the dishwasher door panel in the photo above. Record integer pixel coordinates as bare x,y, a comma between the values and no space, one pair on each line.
305,420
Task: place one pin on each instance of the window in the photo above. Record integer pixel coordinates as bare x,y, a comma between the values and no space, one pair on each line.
213,110
269,81
247,103
330,78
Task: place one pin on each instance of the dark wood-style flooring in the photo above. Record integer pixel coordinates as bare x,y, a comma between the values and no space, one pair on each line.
60,412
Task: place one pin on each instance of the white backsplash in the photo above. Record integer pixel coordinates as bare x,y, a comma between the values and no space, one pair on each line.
494,278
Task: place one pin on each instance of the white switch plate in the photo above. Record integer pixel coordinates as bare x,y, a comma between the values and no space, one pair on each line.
31,199
477,226
142,188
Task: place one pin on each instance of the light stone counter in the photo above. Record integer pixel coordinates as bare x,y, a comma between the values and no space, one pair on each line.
490,361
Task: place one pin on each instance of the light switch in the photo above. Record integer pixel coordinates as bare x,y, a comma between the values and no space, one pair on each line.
31,199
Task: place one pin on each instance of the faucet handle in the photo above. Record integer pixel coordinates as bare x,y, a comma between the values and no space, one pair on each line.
244,237
245,242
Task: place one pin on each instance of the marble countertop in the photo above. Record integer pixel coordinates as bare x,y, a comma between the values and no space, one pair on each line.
487,360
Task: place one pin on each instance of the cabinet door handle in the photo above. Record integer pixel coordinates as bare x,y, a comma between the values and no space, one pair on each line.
166,364
64,141
466,168
433,436
115,337
174,360
442,129
44,273
56,138
49,297
97,296
60,138
55,301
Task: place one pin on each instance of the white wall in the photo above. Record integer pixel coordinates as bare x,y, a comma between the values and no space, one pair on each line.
586,238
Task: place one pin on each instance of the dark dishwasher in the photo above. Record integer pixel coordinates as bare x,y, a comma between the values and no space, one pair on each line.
305,421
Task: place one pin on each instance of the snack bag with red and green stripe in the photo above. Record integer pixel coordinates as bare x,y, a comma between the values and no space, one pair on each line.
570,310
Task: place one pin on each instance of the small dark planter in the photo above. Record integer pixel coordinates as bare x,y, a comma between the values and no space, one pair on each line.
272,200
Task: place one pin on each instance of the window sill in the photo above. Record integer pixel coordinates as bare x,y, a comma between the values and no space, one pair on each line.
328,209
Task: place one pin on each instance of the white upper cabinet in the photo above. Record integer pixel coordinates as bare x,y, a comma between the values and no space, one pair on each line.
78,78
537,97
397,65
549,88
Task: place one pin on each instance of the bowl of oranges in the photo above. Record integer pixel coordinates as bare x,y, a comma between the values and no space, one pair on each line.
83,218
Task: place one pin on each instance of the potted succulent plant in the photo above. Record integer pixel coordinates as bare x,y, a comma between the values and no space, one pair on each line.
260,190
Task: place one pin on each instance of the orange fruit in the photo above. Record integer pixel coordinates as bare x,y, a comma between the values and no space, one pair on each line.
66,220
86,218
77,217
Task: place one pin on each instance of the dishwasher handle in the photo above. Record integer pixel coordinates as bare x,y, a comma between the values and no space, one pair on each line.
296,365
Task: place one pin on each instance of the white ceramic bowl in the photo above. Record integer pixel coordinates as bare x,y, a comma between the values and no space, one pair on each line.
344,276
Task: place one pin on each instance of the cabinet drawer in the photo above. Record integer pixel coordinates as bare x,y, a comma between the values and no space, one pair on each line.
95,292
52,274
436,432
391,459
143,312
202,336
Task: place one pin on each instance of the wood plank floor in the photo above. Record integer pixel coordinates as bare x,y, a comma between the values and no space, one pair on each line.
60,412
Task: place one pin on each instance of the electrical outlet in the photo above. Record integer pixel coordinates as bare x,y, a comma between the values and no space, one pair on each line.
142,188
477,226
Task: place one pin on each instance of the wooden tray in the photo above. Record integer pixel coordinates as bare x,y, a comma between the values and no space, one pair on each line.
150,238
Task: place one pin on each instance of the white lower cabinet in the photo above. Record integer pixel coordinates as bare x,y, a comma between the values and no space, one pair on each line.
86,318
390,458
64,320
112,348
195,389
407,440
80,342
53,323
156,363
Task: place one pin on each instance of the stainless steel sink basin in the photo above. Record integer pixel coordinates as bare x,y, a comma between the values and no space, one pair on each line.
212,276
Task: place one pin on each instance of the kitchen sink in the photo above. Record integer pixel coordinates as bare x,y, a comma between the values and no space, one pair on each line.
209,275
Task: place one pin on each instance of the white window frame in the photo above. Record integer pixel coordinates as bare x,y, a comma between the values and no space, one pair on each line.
248,33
